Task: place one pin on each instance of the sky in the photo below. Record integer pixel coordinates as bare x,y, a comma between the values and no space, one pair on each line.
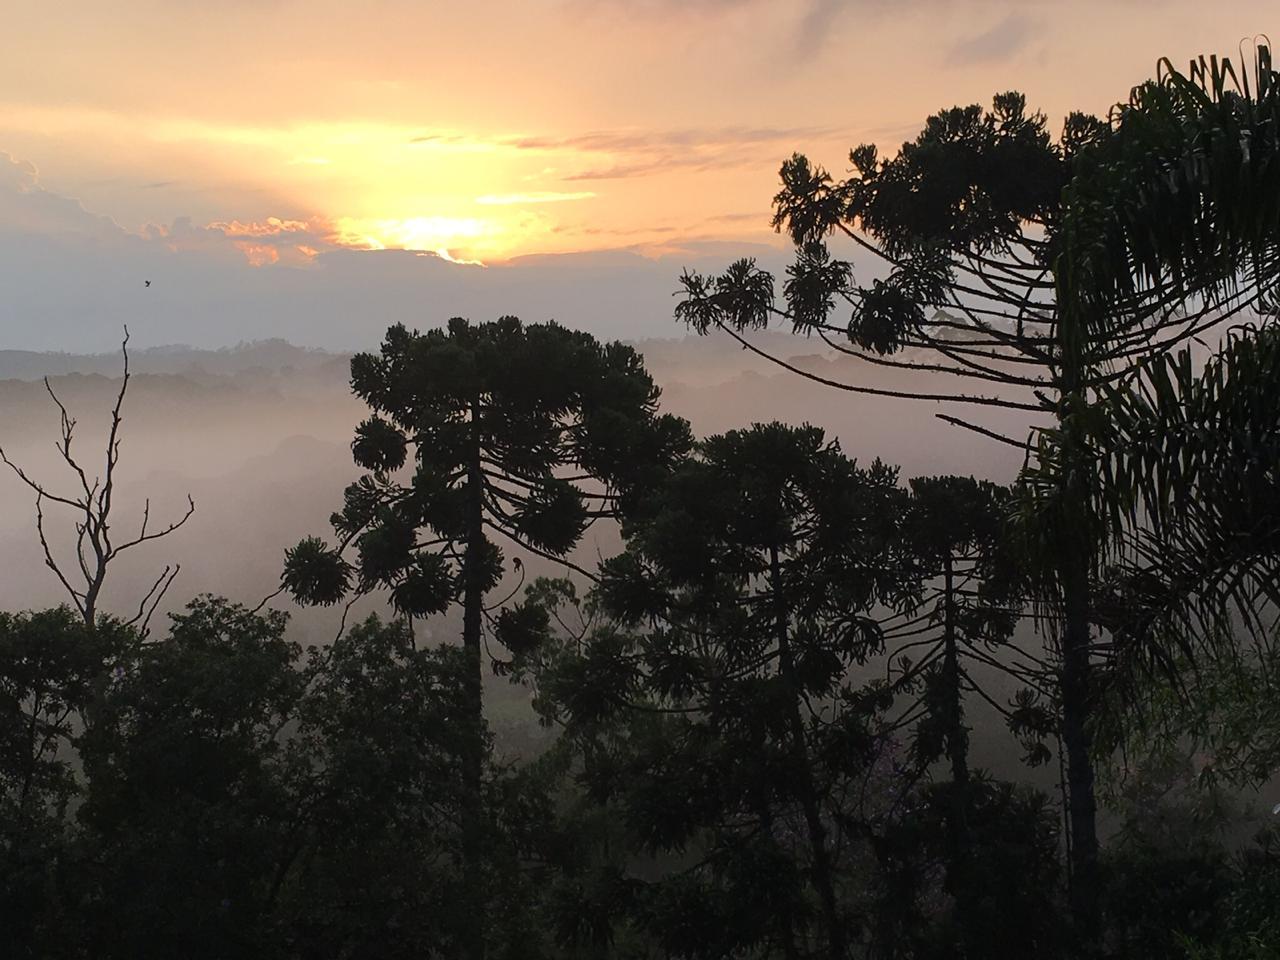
267,164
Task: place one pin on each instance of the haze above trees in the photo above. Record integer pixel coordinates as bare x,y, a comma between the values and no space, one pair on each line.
571,676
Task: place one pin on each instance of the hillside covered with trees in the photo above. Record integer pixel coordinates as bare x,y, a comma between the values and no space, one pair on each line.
561,669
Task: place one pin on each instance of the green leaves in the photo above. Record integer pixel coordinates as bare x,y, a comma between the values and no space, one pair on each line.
427,587
1185,194
552,517
740,299
315,574
523,628
495,417
813,283
379,446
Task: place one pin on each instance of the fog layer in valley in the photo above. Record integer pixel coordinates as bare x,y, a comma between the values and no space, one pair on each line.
259,437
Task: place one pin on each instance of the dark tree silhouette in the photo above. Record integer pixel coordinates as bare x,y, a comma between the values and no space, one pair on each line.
957,530
51,667
187,805
529,433
746,594
1184,453
993,279
238,800
1188,457
91,505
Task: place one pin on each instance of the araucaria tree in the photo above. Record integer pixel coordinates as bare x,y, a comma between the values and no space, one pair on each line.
751,586
523,434
988,276
957,533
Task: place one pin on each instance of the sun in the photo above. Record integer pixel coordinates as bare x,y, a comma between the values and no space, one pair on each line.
454,238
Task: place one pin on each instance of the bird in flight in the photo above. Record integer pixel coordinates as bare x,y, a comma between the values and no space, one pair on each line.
146,283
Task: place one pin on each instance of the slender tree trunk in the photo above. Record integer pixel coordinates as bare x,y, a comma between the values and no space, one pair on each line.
957,736
28,775
473,760
786,927
822,872
1074,565
958,755
1077,742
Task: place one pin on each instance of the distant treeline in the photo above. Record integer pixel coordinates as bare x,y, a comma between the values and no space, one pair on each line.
759,708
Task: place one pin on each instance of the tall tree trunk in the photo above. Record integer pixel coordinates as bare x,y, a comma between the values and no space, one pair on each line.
957,736
473,760
786,925
1075,560
958,755
1077,743
28,775
822,872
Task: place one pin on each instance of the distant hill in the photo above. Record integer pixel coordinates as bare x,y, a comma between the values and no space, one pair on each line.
265,356
670,356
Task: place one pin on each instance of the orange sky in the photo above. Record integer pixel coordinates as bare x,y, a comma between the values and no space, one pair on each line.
490,130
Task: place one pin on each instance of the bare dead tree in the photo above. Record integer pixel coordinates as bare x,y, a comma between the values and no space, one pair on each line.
91,506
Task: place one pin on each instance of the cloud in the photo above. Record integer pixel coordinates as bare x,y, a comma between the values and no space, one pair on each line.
640,153
259,243
815,27
26,205
72,279
756,216
813,20
539,196
1002,41
621,141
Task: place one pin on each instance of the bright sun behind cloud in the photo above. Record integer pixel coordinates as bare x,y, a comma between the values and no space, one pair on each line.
452,237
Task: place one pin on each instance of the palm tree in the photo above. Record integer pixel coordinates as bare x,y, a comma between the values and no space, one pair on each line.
1186,481
1037,273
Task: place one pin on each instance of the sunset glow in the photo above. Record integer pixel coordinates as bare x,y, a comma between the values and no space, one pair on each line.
554,127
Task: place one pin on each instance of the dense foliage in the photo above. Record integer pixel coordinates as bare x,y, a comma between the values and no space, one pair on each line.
767,704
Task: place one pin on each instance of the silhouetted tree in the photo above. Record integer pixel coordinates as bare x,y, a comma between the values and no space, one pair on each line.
374,840
526,432
994,273
1187,461
238,800
1184,457
957,532
51,667
91,504
747,593
188,800
1013,908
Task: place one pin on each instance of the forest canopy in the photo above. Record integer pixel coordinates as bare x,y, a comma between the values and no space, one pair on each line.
757,719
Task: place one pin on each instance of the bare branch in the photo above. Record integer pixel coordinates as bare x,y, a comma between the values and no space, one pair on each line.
876,391
143,536
956,421
94,550
80,599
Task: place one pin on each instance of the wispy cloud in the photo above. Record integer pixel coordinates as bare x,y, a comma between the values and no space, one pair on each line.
815,27
621,141
540,196
1002,41
623,154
